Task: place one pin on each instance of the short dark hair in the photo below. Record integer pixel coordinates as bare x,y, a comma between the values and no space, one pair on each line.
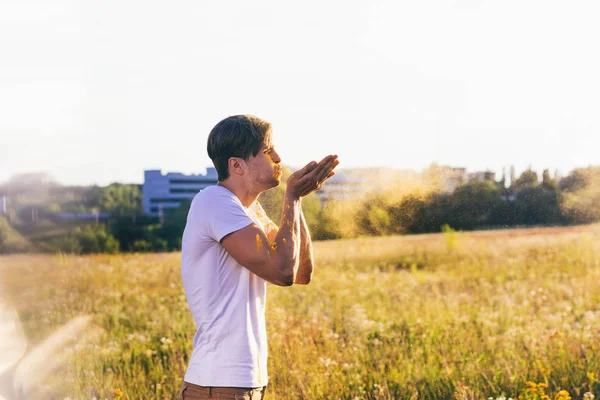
236,136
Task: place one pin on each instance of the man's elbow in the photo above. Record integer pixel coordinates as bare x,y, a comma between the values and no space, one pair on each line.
286,280
287,276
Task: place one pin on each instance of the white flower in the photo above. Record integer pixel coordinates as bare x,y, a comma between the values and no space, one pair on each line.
327,361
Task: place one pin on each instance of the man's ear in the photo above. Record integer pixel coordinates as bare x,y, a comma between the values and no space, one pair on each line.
235,166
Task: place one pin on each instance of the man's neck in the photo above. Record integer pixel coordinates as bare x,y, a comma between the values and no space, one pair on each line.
246,196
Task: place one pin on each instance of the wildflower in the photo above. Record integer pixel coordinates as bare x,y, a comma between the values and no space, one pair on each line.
327,361
588,396
562,395
150,352
118,393
165,343
555,335
591,377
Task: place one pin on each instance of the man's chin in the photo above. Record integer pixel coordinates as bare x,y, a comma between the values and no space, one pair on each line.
272,184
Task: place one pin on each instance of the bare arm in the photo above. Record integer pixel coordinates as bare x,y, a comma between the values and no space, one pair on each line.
305,269
278,261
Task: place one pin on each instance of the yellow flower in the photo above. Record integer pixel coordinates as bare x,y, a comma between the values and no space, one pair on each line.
118,393
531,385
562,395
555,335
591,376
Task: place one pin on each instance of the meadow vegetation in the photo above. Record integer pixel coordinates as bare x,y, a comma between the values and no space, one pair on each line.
513,313
383,202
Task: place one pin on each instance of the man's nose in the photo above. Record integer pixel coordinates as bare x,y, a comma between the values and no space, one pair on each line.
276,158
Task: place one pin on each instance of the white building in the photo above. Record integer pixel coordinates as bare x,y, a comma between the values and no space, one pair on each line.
452,177
482,176
341,186
444,177
162,192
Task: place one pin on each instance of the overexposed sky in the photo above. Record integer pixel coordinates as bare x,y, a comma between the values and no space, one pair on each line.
98,91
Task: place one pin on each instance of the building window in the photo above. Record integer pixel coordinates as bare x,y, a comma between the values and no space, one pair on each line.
192,181
164,210
167,200
184,190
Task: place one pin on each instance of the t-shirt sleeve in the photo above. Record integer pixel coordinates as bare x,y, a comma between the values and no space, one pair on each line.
225,215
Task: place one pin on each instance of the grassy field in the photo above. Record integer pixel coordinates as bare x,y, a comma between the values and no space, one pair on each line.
445,316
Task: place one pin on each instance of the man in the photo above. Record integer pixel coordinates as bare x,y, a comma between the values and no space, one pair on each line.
230,250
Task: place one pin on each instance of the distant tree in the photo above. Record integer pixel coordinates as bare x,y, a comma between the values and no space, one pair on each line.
473,204
582,195
438,211
578,179
120,199
172,229
538,205
407,214
548,182
372,217
95,239
328,226
527,178
127,232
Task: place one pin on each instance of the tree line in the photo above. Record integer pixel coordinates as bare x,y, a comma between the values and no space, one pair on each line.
476,204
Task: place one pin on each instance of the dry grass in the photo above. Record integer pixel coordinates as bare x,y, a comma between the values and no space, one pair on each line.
443,316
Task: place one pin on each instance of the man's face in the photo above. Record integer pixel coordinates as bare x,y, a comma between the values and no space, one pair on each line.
264,170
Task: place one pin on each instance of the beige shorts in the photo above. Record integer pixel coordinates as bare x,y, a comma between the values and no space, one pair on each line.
189,391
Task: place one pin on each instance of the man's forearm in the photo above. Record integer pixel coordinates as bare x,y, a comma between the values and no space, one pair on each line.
288,239
305,268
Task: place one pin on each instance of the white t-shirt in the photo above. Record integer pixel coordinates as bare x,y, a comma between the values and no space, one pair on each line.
226,299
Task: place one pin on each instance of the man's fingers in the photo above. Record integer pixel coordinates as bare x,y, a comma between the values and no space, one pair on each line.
325,165
321,171
329,175
310,166
324,173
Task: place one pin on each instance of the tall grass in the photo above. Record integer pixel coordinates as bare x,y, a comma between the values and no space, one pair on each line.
384,318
